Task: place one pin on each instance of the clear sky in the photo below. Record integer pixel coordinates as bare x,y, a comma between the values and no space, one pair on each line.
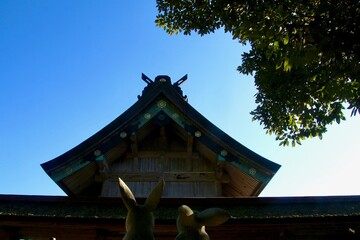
68,68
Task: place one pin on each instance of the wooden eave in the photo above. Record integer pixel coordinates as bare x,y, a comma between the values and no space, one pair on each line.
107,138
42,217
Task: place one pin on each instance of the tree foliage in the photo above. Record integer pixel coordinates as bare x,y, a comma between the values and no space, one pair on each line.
304,56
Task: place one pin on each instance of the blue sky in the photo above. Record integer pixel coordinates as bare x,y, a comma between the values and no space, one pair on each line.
68,68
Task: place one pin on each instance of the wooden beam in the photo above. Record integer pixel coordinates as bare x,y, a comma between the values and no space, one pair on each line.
221,175
156,154
134,144
163,139
136,176
190,141
189,149
167,176
134,148
103,166
189,176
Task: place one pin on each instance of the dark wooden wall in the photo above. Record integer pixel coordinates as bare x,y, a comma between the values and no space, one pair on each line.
183,177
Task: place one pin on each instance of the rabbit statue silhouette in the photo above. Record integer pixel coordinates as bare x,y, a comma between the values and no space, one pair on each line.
140,220
191,224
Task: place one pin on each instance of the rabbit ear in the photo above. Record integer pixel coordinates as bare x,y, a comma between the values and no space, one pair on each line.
154,198
213,216
126,194
186,216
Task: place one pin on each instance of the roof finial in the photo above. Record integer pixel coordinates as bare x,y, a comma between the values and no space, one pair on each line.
146,79
181,80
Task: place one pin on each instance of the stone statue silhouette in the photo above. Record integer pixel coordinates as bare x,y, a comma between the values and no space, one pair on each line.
191,224
140,220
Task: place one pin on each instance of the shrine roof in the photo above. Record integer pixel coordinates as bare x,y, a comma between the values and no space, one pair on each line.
164,100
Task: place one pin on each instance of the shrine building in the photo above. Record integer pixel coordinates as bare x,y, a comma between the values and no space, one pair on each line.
161,136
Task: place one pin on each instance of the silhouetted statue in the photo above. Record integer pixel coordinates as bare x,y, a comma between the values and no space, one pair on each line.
140,220
191,224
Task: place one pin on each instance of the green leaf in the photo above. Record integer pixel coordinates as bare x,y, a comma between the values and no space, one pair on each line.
287,65
295,75
276,45
286,40
278,65
338,119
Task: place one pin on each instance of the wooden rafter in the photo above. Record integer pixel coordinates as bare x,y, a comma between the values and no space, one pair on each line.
190,141
189,150
163,138
134,149
103,166
134,145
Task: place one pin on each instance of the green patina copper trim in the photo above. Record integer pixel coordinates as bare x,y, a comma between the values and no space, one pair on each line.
255,173
66,171
148,114
100,158
172,112
165,106
176,116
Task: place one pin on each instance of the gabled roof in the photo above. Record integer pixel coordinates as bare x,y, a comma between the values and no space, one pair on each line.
160,103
